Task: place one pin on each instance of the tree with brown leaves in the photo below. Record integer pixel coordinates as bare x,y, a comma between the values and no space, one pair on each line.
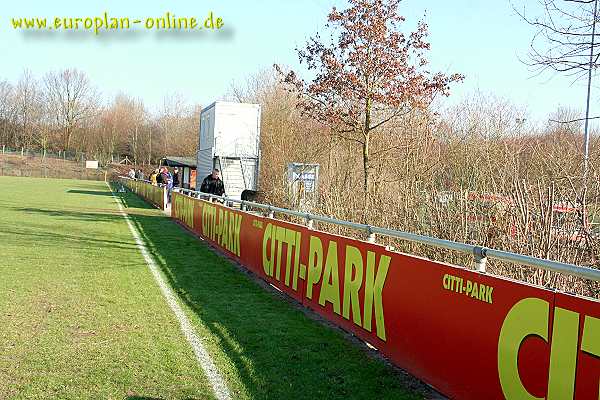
369,74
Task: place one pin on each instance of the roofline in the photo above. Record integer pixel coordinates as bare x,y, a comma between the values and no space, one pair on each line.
228,102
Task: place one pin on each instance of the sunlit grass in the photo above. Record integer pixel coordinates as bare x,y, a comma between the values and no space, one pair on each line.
83,318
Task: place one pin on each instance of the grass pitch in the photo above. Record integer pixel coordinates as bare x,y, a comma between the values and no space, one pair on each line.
82,317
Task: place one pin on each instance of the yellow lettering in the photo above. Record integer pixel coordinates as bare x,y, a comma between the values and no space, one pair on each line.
488,295
591,332
482,292
373,293
527,317
225,231
296,260
209,22
315,264
475,290
236,233
267,262
563,355
290,239
219,227
279,238
353,275
230,235
330,288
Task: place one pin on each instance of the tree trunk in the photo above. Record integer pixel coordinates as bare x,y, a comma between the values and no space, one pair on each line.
67,137
367,134
135,146
150,147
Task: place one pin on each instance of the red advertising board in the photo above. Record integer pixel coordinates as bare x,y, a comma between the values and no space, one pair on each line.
575,354
470,335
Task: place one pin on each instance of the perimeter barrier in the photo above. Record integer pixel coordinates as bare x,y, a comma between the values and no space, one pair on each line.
156,195
467,333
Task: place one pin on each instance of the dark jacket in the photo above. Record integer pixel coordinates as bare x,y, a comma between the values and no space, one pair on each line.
160,179
176,179
212,186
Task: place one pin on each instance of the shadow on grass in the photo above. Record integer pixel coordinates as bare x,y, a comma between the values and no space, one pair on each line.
100,216
270,346
142,398
89,186
36,237
90,192
151,398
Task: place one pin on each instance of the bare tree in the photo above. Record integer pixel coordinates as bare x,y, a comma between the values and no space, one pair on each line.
27,104
178,122
7,111
564,34
71,99
566,42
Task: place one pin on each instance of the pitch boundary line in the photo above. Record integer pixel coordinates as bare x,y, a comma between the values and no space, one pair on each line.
202,355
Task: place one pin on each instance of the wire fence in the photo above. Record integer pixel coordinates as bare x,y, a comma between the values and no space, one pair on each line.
44,164
76,156
24,152
94,175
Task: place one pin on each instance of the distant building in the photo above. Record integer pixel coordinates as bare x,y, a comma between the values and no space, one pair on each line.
187,169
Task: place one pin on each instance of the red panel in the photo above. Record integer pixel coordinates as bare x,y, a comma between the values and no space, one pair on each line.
439,331
446,338
451,339
587,380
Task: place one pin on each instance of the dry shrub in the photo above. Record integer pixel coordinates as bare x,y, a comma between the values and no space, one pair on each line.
477,173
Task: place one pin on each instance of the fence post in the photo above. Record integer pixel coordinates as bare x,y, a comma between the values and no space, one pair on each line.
3,146
309,222
371,235
21,151
480,259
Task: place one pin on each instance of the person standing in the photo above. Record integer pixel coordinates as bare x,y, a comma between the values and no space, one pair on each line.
159,177
169,181
213,184
176,177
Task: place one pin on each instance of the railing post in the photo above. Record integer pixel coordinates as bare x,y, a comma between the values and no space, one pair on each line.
371,238
309,222
480,259
271,213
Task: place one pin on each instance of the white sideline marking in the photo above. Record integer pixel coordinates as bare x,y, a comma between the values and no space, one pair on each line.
209,368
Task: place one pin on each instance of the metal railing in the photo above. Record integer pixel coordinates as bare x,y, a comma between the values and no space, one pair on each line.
480,254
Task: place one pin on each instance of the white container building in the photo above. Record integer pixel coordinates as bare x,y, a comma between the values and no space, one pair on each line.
229,140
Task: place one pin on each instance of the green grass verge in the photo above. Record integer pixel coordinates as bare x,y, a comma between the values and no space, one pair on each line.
266,348
83,318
